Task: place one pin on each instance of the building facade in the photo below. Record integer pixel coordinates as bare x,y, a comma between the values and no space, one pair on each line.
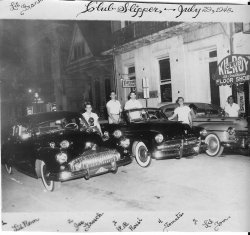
89,74
175,58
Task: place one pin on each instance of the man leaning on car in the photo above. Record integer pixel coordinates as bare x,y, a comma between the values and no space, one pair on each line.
231,109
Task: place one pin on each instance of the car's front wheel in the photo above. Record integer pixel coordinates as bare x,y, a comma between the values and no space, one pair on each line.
141,154
214,148
48,184
8,168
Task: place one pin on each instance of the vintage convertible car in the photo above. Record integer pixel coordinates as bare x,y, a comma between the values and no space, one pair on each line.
222,132
153,136
57,147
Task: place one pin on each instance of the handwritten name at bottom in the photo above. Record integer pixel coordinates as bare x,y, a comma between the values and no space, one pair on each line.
24,224
126,225
215,224
84,224
168,224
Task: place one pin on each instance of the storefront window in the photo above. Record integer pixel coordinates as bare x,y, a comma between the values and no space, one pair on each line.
165,80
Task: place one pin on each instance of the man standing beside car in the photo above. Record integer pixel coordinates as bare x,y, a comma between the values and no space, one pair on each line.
231,109
132,103
182,112
114,109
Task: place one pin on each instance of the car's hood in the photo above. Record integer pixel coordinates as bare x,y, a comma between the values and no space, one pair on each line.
77,139
169,128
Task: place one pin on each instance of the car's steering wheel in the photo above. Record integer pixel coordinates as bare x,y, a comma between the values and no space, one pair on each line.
71,125
153,116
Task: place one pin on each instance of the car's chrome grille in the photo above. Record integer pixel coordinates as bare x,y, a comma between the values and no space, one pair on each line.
95,159
190,141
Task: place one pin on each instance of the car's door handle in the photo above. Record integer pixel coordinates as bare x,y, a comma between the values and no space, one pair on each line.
208,119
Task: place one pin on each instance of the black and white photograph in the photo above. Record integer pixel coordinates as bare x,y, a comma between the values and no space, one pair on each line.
125,124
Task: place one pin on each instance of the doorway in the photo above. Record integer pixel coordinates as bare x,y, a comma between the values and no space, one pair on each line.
214,89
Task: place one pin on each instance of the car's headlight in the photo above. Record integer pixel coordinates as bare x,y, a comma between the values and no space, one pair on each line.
125,143
64,144
159,138
117,134
90,145
231,130
203,132
61,157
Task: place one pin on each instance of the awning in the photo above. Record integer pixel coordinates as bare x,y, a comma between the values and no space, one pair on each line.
233,69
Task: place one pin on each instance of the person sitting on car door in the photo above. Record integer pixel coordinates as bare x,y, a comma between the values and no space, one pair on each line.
91,118
231,109
182,112
193,111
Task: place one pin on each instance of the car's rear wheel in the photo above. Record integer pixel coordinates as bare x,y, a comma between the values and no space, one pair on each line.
8,168
214,148
141,154
48,184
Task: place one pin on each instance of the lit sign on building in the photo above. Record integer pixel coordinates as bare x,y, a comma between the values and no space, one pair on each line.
233,69
129,83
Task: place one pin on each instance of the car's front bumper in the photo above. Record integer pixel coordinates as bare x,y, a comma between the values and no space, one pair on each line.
177,148
87,166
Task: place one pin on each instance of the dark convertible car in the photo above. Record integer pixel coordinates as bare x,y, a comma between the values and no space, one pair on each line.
153,136
57,146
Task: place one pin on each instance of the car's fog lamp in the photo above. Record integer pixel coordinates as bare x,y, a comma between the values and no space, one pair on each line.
231,130
61,157
159,138
203,132
196,149
90,145
64,144
125,143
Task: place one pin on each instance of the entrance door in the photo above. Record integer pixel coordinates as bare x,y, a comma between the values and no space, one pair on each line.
215,94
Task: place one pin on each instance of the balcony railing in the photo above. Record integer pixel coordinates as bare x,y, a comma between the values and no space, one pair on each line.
140,29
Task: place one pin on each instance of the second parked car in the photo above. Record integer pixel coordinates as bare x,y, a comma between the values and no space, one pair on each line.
153,136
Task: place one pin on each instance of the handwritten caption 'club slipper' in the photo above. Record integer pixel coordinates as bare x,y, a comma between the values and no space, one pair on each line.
134,10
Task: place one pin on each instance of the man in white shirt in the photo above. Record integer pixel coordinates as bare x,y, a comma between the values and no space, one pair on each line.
114,109
231,109
182,112
89,116
132,103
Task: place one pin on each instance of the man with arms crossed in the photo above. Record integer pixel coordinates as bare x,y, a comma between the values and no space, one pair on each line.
114,109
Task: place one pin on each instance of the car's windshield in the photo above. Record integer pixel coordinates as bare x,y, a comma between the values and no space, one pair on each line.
59,124
144,114
205,109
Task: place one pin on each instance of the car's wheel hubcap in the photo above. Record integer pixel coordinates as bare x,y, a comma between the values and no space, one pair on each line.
143,154
212,145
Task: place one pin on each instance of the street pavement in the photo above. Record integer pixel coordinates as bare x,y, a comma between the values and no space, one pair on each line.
201,183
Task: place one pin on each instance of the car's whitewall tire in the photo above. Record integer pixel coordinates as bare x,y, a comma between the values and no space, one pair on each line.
140,152
214,147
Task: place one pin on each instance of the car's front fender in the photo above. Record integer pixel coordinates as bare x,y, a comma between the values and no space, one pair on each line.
48,155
